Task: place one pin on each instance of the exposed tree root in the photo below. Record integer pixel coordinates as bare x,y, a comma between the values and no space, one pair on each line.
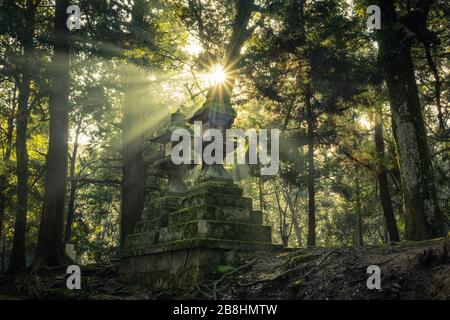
228,274
284,273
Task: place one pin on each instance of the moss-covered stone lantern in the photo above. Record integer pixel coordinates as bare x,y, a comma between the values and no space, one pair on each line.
175,173
216,113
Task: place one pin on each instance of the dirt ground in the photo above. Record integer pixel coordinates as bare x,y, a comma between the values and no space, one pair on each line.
408,271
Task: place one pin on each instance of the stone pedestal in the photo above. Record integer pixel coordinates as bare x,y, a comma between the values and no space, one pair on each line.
213,219
146,231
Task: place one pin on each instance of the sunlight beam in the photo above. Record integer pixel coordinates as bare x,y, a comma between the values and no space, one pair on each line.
216,75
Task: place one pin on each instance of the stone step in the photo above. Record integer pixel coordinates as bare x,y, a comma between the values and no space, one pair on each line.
216,187
217,199
216,193
257,217
161,207
218,213
141,239
191,244
166,201
210,229
147,225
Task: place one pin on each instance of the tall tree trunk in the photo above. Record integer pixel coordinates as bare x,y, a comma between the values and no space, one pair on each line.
3,200
50,247
73,187
284,232
311,170
292,208
297,229
260,194
4,190
437,84
240,34
385,231
385,198
261,200
359,209
133,165
296,16
295,222
424,219
6,158
17,260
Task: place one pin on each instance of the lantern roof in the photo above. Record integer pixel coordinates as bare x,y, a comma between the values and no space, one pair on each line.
214,106
177,121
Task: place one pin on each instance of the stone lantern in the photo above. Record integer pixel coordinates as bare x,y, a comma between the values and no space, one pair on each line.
175,173
216,113
213,218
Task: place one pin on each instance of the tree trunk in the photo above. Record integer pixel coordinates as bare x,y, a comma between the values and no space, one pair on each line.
359,209
295,222
385,231
437,84
424,219
50,247
73,187
311,170
385,198
297,229
284,233
260,194
261,201
133,165
240,34
4,190
297,19
6,158
17,260
3,199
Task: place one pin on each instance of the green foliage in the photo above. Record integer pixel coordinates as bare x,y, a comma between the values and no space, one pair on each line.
224,268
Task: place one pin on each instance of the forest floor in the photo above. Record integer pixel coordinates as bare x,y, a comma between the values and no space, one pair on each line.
408,271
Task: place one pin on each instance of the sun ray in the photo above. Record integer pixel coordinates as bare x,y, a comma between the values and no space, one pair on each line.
216,75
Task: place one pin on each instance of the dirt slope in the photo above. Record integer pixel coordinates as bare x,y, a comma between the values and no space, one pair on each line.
408,271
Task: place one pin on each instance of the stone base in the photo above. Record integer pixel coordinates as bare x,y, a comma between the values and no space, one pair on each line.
161,207
199,243
186,263
174,269
211,221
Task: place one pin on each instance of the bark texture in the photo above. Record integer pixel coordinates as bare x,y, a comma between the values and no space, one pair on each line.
385,198
50,247
424,219
17,260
